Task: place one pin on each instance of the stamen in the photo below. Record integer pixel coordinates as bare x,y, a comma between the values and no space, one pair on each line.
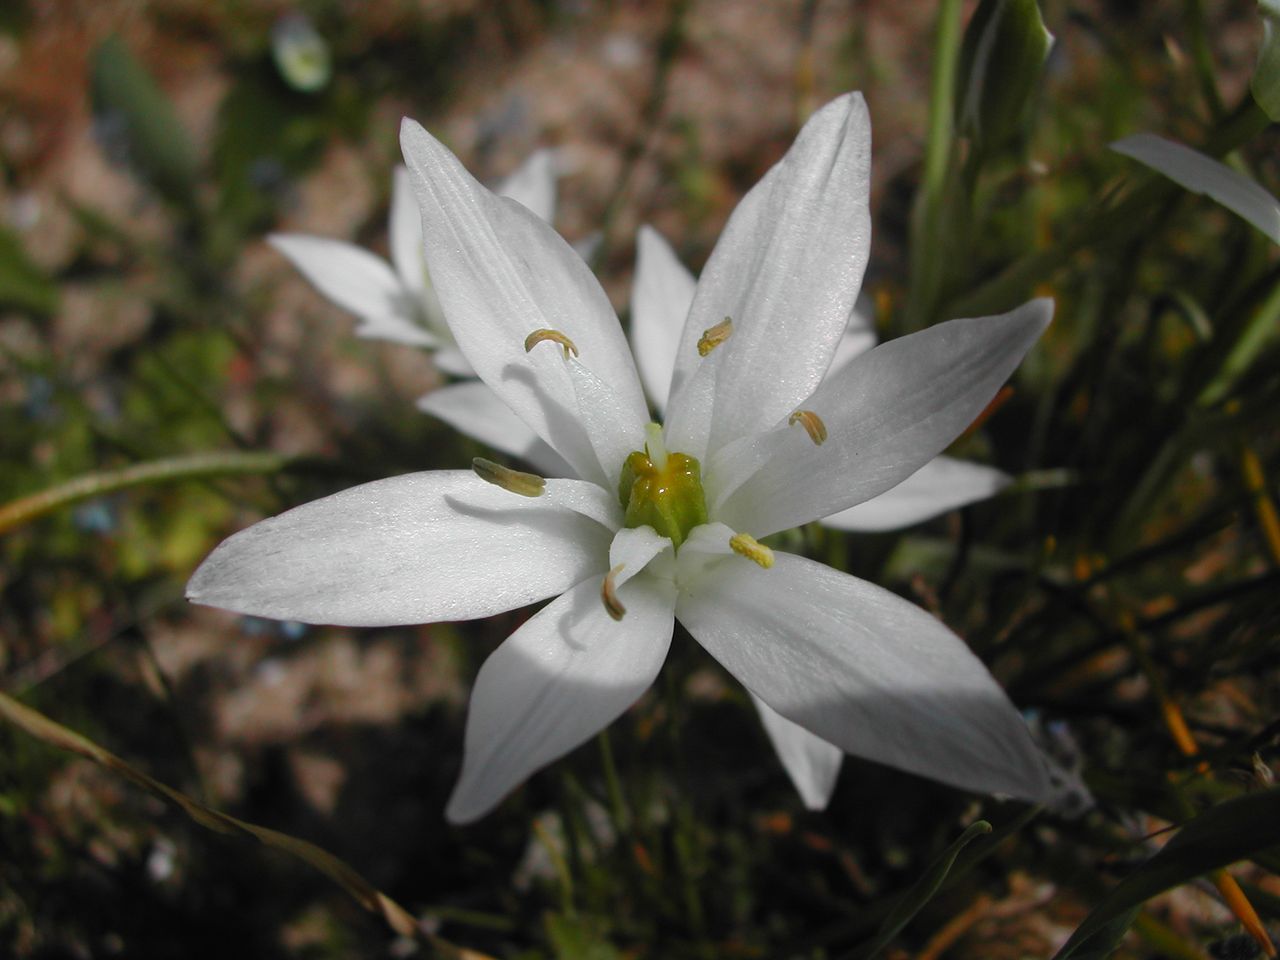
812,424
535,338
609,596
654,445
712,337
745,545
515,481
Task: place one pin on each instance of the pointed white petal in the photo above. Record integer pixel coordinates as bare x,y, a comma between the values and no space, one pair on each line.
442,545
357,281
632,550
660,299
500,274
864,670
942,484
786,270
812,764
1200,174
473,409
887,413
557,681
533,185
405,231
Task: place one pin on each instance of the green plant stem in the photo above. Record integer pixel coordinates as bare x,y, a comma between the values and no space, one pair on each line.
926,237
1202,57
617,800
558,864
15,513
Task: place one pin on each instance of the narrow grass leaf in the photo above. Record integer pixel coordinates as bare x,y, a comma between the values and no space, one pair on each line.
1218,837
400,920
921,892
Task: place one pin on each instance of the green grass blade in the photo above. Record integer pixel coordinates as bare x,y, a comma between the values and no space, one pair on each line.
921,892
1218,837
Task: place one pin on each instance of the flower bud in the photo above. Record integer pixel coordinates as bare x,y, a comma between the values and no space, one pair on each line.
1266,76
300,53
1004,50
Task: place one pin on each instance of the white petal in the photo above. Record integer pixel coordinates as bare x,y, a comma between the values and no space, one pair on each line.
451,361
864,670
557,681
608,422
442,545
887,414
406,233
359,282
859,334
786,270
1200,174
942,484
473,409
660,299
500,274
812,764
533,185
632,550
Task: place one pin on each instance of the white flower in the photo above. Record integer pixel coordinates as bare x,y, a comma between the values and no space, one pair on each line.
396,301
662,295
662,522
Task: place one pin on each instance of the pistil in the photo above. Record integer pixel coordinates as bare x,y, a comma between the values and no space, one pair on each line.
661,489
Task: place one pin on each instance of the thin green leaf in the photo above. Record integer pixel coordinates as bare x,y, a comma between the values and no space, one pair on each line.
22,283
131,106
1218,837
921,892
578,938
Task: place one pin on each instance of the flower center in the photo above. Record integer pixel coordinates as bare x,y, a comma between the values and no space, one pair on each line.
662,490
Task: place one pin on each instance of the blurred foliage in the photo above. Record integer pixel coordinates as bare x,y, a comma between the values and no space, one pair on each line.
1123,590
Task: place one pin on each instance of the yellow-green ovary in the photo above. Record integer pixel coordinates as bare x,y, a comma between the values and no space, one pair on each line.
667,497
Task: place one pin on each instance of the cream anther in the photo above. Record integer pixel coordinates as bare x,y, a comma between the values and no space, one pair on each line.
609,596
812,424
515,481
535,338
745,545
712,337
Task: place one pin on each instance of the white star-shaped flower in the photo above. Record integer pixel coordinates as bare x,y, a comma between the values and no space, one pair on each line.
661,523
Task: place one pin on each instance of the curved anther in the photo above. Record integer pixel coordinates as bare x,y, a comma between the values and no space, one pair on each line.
812,424
515,481
712,337
535,338
745,545
609,596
